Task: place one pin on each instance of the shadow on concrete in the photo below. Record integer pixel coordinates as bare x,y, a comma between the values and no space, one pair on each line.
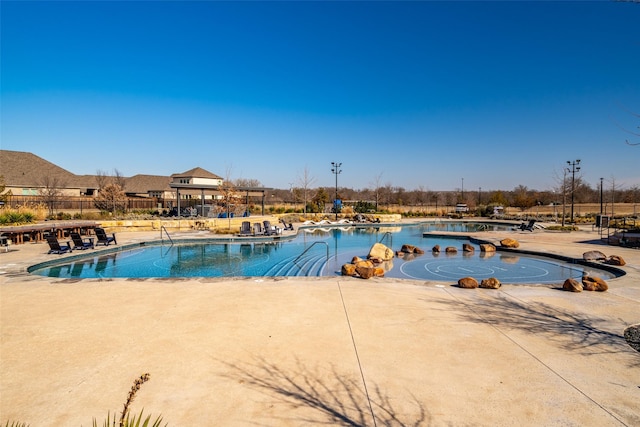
336,399
572,331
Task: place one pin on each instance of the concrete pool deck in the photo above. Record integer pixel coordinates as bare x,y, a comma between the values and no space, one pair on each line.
306,351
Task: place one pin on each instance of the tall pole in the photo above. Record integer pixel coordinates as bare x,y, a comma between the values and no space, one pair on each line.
335,169
462,191
601,179
574,168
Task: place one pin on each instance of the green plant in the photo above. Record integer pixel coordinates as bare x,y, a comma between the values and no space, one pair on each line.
16,424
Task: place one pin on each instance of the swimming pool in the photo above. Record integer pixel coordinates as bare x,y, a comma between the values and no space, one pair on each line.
315,252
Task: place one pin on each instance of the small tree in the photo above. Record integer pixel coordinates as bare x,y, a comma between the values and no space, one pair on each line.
51,191
305,180
4,196
111,199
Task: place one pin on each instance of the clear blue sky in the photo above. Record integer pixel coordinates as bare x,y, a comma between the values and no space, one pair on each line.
418,94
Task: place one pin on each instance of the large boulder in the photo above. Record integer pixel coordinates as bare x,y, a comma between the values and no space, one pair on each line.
487,247
366,272
364,263
451,250
468,283
594,256
593,283
436,249
509,243
348,270
410,249
632,335
572,285
490,283
380,251
466,247
615,260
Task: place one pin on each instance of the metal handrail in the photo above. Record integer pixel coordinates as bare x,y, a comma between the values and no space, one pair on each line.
295,261
387,234
162,227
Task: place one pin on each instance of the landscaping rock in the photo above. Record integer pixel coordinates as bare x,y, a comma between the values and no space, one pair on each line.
436,249
487,247
490,283
572,285
594,256
451,250
632,335
348,270
468,283
378,250
592,283
615,260
509,243
466,247
365,272
410,249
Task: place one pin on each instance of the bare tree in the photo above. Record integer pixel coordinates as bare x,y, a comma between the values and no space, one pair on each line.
247,182
377,188
305,180
51,191
111,196
4,196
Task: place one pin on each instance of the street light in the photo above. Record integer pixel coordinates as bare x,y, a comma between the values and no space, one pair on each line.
335,169
574,168
601,179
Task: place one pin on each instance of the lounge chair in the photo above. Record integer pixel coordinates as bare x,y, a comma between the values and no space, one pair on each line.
257,229
286,226
80,243
102,237
528,227
270,230
55,247
245,228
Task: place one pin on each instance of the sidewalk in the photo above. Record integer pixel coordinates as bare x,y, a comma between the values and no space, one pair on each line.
307,351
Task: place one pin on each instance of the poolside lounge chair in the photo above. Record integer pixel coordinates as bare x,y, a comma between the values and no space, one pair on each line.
270,230
528,227
286,226
103,239
257,229
80,243
55,247
245,228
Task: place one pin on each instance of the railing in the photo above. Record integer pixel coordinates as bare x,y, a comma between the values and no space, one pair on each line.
390,238
162,228
295,261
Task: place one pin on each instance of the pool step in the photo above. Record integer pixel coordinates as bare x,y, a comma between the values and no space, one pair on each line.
308,265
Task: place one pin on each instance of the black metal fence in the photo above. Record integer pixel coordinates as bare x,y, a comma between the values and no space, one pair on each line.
83,203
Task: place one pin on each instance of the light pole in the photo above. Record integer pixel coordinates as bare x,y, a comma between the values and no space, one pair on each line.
601,179
335,169
574,168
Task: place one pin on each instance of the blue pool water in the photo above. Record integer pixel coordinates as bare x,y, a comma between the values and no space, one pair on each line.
288,258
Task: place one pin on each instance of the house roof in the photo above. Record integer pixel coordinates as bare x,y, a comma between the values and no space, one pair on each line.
145,183
196,173
22,169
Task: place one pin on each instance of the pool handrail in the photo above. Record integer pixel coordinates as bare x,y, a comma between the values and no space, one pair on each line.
162,227
295,261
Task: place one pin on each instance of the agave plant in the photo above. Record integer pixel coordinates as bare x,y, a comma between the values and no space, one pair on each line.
127,420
